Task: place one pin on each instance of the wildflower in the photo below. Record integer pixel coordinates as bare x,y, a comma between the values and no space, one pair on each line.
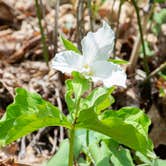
96,49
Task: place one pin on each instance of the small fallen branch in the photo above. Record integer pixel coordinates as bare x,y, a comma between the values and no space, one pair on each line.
154,72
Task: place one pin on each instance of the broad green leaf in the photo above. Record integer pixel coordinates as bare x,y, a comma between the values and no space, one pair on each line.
131,115
159,162
28,113
151,161
118,61
103,150
126,127
69,45
61,157
75,88
97,151
100,154
143,158
100,99
119,155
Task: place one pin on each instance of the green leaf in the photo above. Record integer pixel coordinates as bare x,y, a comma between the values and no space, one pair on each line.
28,113
75,88
100,154
119,155
61,157
118,61
143,158
128,126
103,150
69,45
100,99
159,162
131,115
97,151
152,161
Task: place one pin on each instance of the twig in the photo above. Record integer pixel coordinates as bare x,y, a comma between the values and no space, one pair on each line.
21,52
117,27
7,88
54,142
59,102
80,27
154,72
90,14
43,39
55,32
37,136
146,67
22,149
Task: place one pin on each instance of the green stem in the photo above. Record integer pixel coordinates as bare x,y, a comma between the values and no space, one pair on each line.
146,67
87,138
117,28
71,146
90,14
43,39
72,135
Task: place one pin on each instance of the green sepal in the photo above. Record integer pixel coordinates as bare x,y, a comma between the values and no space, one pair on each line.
69,45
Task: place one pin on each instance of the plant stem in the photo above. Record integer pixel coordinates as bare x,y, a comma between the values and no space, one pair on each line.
90,14
146,67
134,55
80,22
87,138
43,39
71,146
55,32
72,134
117,27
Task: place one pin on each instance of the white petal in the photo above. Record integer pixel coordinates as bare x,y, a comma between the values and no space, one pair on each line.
98,45
67,61
109,73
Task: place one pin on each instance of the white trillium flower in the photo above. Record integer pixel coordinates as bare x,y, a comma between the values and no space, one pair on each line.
96,49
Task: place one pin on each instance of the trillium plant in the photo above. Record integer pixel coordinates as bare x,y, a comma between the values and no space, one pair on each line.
97,134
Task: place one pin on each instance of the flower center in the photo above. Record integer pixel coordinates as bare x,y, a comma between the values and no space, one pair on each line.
87,70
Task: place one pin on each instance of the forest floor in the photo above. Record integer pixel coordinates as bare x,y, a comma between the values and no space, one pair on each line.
22,65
